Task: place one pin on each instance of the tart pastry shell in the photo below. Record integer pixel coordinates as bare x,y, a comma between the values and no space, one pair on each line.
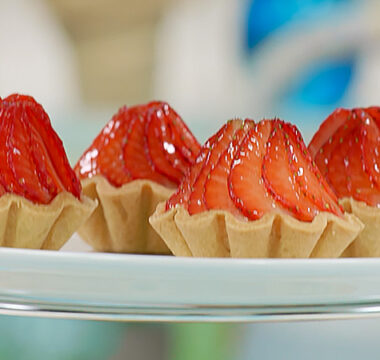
120,222
217,233
24,224
367,244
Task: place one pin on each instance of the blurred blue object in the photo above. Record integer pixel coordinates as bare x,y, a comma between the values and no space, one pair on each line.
323,84
266,16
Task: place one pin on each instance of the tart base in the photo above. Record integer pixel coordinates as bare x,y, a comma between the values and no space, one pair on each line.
367,244
120,222
217,233
24,224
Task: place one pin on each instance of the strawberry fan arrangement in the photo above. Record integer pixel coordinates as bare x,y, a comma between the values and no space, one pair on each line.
145,185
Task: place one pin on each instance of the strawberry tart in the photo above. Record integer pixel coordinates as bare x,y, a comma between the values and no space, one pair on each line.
136,161
41,203
346,148
254,191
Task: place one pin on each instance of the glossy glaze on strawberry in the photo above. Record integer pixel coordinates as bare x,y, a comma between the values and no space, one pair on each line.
347,150
251,169
33,162
141,142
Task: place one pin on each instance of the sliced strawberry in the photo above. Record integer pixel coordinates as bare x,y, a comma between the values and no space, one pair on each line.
182,137
44,168
182,195
183,156
105,155
370,146
34,163
135,159
245,182
21,162
63,173
216,194
374,111
341,129
326,130
8,180
337,168
162,154
307,175
196,200
359,185
280,178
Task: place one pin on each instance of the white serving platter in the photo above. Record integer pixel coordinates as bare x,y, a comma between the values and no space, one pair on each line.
87,285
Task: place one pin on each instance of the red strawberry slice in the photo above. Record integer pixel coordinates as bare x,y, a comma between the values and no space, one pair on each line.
326,130
216,194
134,151
359,185
182,195
33,160
8,180
21,161
186,146
182,137
370,146
196,200
339,129
280,177
162,154
350,159
337,168
374,112
105,154
307,175
245,182
63,173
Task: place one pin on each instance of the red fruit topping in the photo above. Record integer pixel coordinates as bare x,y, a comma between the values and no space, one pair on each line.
370,147
33,160
327,129
307,175
350,157
374,112
109,160
358,180
134,154
251,169
337,175
216,193
182,195
196,200
142,142
246,185
280,175
165,148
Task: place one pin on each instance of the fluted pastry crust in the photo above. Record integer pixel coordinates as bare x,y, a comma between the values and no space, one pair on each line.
24,224
120,222
217,233
367,244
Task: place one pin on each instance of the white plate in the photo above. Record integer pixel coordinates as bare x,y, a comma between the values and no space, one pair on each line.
155,288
